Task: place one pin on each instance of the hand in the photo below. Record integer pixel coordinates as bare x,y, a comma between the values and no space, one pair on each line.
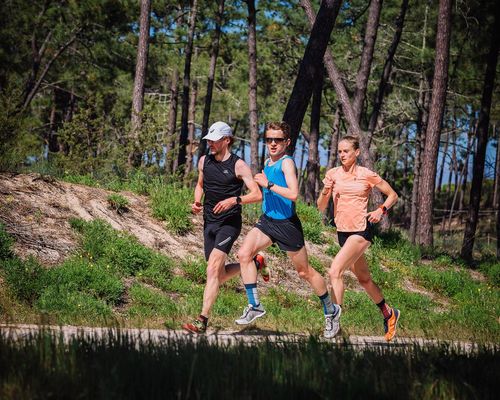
224,205
196,207
329,183
375,216
261,179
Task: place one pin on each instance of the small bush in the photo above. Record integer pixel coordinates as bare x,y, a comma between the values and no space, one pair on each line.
118,203
6,243
171,203
26,279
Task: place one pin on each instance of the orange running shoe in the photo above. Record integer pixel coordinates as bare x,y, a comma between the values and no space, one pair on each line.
390,324
195,327
260,263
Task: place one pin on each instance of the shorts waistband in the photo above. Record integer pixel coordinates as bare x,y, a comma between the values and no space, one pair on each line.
293,218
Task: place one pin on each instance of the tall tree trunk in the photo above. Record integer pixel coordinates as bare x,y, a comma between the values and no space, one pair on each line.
438,102
135,155
365,63
482,140
336,78
496,186
172,122
191,130
441,169
211,77
252,87
188,53
334,141
386,73
311,63
313,154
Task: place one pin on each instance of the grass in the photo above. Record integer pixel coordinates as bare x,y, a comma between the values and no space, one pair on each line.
118,366
118,203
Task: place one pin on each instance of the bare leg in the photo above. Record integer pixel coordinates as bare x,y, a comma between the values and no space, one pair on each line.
360,269
215,269
353,248
254,241
306,272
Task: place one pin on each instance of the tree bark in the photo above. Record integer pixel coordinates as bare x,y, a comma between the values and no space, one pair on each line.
496,186
191,130
482,140
386,73
438,102
313,155
252,87
365,63
441,169
172,122
135,155
334,141
211,77
188,53
311,63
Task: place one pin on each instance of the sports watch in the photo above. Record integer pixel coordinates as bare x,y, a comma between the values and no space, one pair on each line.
269,185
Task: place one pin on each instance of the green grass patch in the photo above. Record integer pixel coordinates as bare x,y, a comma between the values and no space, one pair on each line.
311,220
147,303
118,203
171,203
195,269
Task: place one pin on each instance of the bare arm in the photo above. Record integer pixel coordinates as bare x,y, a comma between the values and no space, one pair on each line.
392,198
326,192
196,207
292,191
244,173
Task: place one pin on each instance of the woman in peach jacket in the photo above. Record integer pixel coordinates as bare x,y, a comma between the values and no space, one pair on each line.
350,186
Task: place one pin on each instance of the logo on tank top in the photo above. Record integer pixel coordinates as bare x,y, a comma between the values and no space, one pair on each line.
226,171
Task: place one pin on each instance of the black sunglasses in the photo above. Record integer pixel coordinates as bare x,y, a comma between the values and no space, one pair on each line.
269,140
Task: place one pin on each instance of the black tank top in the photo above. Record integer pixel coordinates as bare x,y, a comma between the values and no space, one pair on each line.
220,182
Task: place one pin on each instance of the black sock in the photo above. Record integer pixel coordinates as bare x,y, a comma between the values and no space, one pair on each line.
203,319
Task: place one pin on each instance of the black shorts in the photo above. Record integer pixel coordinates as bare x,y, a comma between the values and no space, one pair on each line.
286,233
221,234
367,234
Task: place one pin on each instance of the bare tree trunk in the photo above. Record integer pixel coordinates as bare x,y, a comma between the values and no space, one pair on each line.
135,155
384,80
334,141
191,130
438,102
365,63
482,140
172,122
311,63
496,186
188,52
252,87
211,77
441,169
313,154
471,142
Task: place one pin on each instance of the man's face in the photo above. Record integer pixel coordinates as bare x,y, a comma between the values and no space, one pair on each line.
276,142
217,146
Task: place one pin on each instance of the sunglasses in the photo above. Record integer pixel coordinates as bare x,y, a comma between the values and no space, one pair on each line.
276,140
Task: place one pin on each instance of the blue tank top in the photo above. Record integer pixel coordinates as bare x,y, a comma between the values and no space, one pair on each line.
274,205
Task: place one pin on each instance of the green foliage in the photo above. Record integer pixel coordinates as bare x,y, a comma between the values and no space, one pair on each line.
311,222
121,251
317,264
195,269
491,268
171,203
6,243
26,279
147,303
158,274
332,250
448,283
118,203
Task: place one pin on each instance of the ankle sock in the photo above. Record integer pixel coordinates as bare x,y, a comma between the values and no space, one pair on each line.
252,295
385,309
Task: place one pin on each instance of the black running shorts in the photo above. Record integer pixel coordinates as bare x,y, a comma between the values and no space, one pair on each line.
221,234
286,233
367,234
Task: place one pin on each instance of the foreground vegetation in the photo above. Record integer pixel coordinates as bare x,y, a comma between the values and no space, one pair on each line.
118,367
112,280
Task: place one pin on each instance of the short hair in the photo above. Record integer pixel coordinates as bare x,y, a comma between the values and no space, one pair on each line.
354,140
279,126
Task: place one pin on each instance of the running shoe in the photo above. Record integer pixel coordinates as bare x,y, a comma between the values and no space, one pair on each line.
390,324
196,326
332,323
250,314
261,265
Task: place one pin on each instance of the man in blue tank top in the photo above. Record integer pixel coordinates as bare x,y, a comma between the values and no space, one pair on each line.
279,224
220,181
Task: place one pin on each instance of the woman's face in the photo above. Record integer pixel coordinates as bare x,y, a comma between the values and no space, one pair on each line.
347,153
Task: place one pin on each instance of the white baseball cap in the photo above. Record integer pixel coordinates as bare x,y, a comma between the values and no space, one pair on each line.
218,130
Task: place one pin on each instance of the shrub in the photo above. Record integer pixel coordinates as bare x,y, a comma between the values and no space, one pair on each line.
26,279
118,203
171,203
6,243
